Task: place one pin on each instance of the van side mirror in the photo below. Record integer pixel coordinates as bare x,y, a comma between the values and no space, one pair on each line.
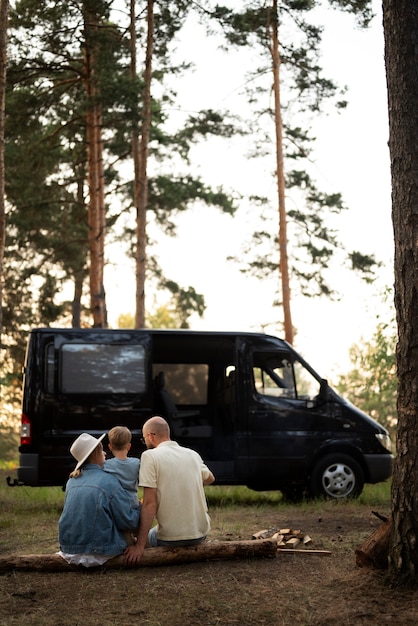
323,395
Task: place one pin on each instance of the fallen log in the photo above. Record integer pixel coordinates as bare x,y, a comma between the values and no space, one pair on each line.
374,551
206,551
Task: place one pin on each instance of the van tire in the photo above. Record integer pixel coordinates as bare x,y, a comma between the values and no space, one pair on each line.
337,476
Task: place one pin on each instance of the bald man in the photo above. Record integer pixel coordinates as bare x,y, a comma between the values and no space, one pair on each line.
173,478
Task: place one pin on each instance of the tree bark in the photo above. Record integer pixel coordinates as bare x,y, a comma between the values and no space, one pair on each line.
96,217
207,551
400,21
4,12
283,257
140,155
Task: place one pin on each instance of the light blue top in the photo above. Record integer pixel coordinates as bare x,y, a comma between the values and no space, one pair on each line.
96,512
127,473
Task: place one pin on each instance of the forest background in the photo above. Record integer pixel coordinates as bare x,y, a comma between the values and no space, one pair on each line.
350,157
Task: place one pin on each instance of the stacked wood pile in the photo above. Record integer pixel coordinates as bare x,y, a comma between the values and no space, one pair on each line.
288,540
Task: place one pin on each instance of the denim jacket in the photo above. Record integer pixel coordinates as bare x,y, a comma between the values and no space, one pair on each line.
96,511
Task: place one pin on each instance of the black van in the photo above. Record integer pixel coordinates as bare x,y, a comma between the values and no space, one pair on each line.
257,413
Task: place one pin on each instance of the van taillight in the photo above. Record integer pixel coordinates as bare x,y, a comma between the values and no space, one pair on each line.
25,431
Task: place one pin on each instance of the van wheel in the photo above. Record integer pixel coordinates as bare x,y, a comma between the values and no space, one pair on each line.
337,476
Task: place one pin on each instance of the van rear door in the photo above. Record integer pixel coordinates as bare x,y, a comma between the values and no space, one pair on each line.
81,381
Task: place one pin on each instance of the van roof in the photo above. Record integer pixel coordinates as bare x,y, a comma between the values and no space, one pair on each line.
159,331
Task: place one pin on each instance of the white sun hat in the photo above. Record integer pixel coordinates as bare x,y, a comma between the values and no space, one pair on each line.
83,446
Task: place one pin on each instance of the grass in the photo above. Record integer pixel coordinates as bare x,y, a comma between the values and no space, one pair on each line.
21,500
373,495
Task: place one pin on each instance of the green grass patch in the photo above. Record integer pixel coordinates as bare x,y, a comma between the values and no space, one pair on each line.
24,501
376,495
238,494
373,495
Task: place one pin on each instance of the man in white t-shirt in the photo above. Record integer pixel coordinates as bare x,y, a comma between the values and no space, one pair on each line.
173,478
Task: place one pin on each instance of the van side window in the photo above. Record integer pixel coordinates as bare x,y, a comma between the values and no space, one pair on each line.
102,368
308,387
183,399
275,379
187,383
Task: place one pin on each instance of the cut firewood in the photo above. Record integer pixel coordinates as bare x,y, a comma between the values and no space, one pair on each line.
292,543
261,534
206,551
374,551
285,537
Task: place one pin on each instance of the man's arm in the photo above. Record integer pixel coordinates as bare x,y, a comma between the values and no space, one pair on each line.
209,480
148,512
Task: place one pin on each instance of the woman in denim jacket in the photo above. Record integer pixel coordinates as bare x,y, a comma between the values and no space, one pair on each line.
96,508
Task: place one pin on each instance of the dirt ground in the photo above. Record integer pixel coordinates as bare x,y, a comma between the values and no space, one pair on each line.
290,589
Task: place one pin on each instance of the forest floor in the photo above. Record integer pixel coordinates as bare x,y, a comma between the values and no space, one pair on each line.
292,589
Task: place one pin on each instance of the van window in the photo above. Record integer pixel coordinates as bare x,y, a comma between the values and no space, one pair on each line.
102,368
187,383
274,378
308,386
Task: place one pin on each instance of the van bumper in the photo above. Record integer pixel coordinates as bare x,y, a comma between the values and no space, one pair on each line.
379,467
28,470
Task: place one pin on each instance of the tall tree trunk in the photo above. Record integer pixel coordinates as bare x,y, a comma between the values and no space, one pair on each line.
76,303
400,20
96,217
4,12
283,258
79,271
140,155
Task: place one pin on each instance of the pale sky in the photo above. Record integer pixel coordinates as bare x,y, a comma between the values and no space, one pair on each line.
351,157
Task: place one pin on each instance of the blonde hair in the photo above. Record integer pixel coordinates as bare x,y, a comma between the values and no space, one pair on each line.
119,437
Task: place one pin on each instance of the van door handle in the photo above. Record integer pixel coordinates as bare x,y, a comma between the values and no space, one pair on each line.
258,413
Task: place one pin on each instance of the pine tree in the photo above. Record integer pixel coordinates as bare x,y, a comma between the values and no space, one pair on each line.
289,45
70,118
401,59
4,13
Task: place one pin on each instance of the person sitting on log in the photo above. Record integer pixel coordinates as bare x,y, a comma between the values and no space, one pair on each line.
124,467
97,510
173,478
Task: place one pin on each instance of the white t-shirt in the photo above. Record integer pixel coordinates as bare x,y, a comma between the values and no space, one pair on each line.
177,473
